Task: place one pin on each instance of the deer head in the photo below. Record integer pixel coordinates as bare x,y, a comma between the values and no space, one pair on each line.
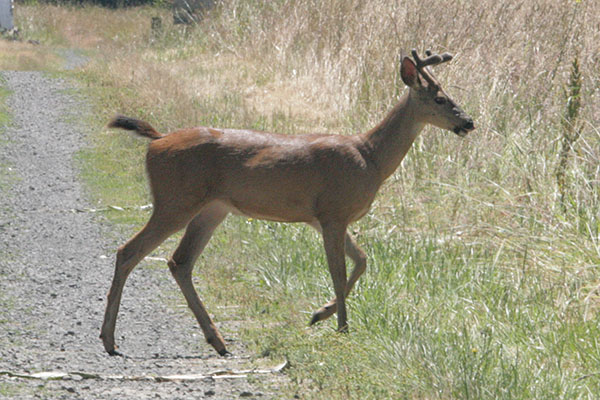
435,106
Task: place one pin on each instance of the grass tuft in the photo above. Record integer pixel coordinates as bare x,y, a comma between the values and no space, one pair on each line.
571,132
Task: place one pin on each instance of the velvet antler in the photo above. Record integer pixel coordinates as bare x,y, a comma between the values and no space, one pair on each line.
432,59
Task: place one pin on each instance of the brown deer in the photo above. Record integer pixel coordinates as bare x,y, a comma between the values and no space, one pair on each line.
200,175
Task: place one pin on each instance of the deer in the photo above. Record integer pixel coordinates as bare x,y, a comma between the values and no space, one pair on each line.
198,176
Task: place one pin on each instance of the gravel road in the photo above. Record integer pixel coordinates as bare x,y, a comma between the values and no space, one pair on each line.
55,269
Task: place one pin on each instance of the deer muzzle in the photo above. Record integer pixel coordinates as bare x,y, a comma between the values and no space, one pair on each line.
464,129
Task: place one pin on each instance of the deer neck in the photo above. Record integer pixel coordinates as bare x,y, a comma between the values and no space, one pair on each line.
388,142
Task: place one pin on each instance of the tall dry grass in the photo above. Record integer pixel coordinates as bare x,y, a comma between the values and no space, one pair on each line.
510,72
26,56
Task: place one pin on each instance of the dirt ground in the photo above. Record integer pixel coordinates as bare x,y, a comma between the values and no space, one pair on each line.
56,263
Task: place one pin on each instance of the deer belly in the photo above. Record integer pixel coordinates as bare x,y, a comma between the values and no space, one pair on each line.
281,210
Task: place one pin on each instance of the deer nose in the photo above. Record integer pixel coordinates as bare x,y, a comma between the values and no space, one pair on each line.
469,125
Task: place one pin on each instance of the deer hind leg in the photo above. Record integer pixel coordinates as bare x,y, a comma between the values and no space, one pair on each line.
358,257
162,224
197,235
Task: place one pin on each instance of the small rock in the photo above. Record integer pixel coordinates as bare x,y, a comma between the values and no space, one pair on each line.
69,389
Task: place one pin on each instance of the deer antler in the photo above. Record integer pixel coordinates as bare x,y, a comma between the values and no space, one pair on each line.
432,59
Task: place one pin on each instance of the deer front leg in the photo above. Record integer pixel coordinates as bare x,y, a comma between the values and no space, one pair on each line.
197,235
333,239
357,255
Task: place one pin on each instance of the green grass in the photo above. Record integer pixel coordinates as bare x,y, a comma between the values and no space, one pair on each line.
429,319
4,116
13,390
6,175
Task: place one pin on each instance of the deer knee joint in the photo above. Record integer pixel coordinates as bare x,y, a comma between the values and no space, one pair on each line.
125,254
122,255
179,269
173,266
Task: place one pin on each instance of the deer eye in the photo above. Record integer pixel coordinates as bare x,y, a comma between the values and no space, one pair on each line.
440,100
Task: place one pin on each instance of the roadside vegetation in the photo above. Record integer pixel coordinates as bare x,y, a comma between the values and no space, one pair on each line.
19,55
4,117
483,254
5,172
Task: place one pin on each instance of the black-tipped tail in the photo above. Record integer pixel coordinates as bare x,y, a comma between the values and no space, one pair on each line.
131,124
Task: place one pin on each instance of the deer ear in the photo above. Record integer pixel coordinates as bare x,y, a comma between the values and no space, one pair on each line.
408,71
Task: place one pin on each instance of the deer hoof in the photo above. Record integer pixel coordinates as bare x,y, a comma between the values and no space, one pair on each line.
225,353
114,352
323,313
315,318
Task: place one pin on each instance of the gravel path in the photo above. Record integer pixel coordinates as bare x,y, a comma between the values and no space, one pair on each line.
55,269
